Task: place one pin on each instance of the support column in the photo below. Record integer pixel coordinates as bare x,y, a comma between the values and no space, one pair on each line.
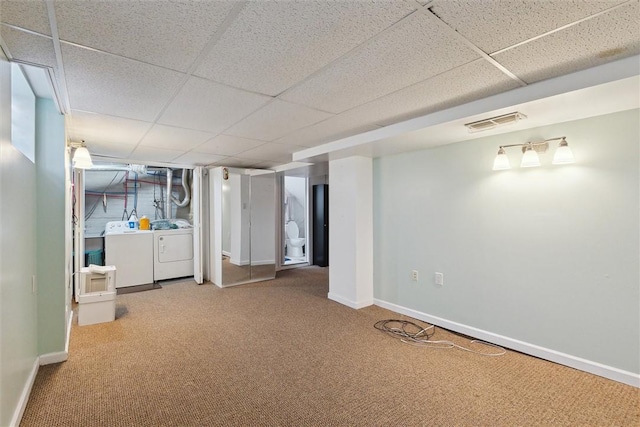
351,231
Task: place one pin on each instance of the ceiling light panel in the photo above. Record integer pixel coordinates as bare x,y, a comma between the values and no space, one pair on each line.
29,47
399,58
275,44
112,85
469,82
227,145
209,106
610,36
31,15
104,130
174,138
495,25
275,120
170,34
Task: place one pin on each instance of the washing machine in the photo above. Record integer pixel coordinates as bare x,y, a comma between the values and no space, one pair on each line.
172,253
131,252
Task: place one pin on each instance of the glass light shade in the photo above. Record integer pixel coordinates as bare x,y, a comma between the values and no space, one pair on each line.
530,158
501,162
563,154
82,159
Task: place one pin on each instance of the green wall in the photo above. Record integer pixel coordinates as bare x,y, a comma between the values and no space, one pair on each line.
50,152
18,303
548,256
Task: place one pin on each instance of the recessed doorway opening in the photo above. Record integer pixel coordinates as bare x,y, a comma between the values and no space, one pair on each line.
295,224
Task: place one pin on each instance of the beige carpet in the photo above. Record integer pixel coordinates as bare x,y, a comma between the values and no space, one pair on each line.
279,353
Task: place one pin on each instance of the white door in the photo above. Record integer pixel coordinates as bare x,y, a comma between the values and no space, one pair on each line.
197,224
78,233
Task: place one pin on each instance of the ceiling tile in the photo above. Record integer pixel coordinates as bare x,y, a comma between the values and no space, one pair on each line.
108,149
209,106
610,36
337,127
235,162
198,159
469,82
275,44
276,119
170,34
494,25
271,151
108,84
173,138
150,155
31,15
413,51
104,130
29,47
227,145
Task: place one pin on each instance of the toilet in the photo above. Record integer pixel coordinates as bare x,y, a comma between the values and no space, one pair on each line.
294,243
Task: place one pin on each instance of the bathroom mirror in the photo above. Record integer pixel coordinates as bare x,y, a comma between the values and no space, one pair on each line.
243,225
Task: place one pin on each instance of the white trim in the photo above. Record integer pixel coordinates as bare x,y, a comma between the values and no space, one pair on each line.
589,366
50,358
345,301
24,396
69,323
263,262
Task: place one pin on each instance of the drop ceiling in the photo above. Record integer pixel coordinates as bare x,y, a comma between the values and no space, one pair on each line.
248,84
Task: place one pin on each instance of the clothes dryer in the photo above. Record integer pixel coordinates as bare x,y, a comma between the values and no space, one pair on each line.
172,253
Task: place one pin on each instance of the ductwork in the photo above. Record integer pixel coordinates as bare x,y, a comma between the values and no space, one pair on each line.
170,198
185,187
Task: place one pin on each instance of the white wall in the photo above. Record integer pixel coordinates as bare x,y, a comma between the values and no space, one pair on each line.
351,231
548,256
18,304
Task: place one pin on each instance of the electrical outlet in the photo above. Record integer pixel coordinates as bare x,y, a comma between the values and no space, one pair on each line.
414,275
438,278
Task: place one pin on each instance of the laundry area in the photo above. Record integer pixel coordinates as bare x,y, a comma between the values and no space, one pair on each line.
137,222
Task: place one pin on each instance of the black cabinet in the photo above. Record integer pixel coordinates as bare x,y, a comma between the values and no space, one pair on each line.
321,225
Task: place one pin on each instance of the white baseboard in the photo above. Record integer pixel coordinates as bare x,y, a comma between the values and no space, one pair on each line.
69,323
49,358
589,366
24,396
263,262
345,301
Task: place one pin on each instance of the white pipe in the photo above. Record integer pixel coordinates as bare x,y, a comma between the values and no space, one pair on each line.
187,191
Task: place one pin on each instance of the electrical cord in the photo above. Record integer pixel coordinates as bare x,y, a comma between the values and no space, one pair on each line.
413,334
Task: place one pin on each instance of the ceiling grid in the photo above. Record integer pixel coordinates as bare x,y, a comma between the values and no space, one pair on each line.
246,84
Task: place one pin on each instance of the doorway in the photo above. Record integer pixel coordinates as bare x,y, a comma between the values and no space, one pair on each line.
295,220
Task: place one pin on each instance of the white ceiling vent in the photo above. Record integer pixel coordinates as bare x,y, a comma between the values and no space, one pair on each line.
493,122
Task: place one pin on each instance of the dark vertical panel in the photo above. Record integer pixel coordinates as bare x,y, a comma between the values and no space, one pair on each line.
321,225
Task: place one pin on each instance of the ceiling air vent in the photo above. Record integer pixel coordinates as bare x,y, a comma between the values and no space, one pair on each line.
493,122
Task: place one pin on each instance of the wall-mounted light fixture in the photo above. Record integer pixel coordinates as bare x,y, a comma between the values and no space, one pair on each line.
81,156
530,150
